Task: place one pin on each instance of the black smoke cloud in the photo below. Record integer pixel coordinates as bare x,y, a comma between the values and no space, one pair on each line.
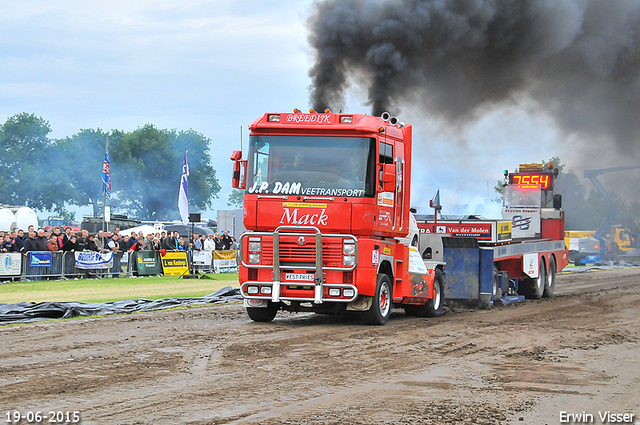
578,61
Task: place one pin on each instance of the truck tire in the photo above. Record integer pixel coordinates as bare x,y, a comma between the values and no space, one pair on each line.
435,306
263,314
380,310
550,284
533,288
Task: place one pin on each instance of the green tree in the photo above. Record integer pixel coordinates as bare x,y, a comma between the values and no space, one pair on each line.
32,173
145,170
84,152
236,198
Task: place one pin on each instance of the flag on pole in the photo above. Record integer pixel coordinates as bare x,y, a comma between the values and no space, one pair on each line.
435,202
106,177
183,201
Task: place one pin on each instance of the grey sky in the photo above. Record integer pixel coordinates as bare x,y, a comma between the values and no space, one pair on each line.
215,66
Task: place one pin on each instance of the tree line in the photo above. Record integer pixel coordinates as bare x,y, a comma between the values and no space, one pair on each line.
145,167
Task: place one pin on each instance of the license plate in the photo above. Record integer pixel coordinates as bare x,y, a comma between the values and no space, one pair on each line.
300,277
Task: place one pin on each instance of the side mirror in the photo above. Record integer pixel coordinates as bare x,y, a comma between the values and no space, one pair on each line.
557,202
239,177
388,177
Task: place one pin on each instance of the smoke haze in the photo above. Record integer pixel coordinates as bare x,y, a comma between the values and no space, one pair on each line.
577,61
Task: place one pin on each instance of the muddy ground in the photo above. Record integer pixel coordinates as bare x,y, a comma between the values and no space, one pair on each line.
523,363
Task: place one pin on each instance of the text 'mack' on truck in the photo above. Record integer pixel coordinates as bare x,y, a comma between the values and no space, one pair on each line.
329,226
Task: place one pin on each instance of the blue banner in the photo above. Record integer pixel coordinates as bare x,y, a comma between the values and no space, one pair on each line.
40,259
94,260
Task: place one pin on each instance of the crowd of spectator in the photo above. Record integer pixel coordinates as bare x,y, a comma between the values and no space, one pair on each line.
58,240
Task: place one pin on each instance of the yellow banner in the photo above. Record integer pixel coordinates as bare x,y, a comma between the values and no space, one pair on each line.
175,264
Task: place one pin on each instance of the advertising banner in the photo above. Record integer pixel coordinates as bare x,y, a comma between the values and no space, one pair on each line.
94,260
40,259
202,258
10,264
175,264
525,222
148,263
225,261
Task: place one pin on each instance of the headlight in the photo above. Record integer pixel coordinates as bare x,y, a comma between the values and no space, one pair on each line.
349,261
266,290
255,246
334,292
349,249
348,292
254,258
252,290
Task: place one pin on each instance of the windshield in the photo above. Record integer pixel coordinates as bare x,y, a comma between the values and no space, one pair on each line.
311,166
522,196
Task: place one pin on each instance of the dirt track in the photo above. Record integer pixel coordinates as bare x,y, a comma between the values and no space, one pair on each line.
211,365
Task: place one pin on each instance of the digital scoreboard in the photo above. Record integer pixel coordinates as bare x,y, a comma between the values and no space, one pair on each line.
544,180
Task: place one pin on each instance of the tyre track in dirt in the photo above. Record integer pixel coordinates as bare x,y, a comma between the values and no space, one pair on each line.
212,365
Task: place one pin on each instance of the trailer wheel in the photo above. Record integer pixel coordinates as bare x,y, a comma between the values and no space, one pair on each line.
263,314
550,283
534,287
380,310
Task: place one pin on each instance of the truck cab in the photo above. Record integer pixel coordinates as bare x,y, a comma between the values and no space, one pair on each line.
326,207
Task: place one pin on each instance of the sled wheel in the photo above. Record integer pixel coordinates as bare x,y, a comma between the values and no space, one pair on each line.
550,284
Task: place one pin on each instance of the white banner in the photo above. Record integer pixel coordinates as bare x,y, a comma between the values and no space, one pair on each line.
10,264
202,258
94,260
225,261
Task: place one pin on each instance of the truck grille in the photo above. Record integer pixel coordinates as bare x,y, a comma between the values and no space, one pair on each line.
291,253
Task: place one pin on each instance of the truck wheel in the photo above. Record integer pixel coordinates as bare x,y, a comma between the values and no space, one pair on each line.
435,306
263,314
550,284
380,310
534,287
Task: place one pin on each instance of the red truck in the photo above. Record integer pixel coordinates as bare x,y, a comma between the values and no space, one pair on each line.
329,226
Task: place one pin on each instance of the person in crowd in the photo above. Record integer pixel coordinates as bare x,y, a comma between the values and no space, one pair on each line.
30,242
82,241
226,241
157,246
70,245
99,241
148,243
180,244
41,241
197,244
68,231
1,236
113,245
7,244
234,244
116,231
132,242
170,242
210,243
61,237
163,236
30,228
19,240
219,244
202,240
140,236
124,243
52,245
91,243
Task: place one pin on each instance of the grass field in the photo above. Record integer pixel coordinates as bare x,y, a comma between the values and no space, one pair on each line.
103,290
